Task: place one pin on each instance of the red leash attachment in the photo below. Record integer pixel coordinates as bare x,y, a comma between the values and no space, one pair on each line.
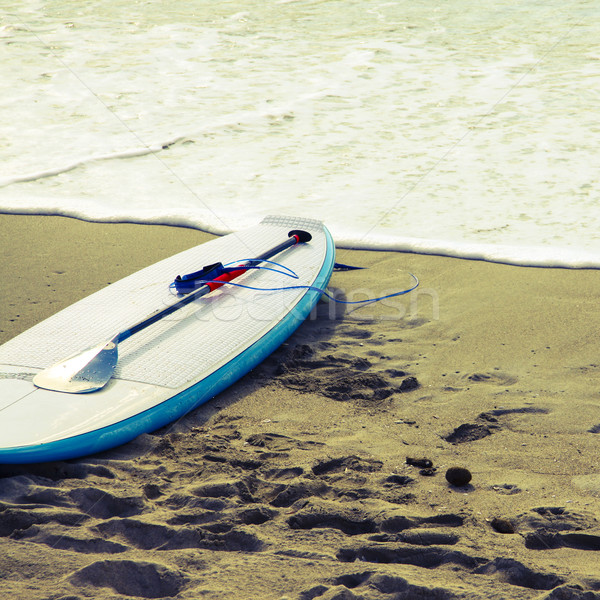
212,277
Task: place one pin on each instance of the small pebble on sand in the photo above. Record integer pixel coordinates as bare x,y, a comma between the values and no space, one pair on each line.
458,476
502,525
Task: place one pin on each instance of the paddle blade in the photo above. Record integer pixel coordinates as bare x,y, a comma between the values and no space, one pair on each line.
87,371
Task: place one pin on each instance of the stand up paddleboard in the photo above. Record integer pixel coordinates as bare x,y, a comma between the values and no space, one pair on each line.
168,367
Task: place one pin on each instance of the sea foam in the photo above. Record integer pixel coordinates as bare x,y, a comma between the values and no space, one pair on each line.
456,131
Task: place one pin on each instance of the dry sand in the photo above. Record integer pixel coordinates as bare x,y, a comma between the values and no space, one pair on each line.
294,483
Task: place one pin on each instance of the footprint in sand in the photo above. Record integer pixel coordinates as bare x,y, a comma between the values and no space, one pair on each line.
470,432
515,573
131,578
103,505
277,442
418,556
367,582
78,541
550,527
488,423
341,376
347,463
57,471
493,377
148,536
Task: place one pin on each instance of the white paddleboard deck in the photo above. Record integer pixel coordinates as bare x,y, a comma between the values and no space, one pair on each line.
169,368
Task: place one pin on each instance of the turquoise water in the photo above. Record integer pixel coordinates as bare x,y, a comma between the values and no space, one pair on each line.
455,128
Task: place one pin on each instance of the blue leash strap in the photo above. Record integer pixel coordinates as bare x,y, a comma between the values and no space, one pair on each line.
184,284
324,292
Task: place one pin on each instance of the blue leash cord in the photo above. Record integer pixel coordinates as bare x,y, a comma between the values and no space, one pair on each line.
283,270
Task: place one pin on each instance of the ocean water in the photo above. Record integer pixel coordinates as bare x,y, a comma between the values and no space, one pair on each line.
458,127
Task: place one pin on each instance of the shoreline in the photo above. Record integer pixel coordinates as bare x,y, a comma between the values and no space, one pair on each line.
296,476
536,256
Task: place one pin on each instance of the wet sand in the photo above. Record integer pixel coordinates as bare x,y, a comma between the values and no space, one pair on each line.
296,482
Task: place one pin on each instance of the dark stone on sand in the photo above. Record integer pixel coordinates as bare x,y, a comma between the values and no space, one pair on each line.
428,472
458,476
423,463
502,525
409,384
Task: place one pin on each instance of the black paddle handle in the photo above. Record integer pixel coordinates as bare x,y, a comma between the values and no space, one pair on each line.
296,236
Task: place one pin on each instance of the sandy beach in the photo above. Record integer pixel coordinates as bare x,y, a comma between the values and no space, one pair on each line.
321,474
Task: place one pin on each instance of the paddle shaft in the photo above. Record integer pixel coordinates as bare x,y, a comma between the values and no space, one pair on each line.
296,237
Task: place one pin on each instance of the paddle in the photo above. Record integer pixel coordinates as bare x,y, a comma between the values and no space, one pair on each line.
91,369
